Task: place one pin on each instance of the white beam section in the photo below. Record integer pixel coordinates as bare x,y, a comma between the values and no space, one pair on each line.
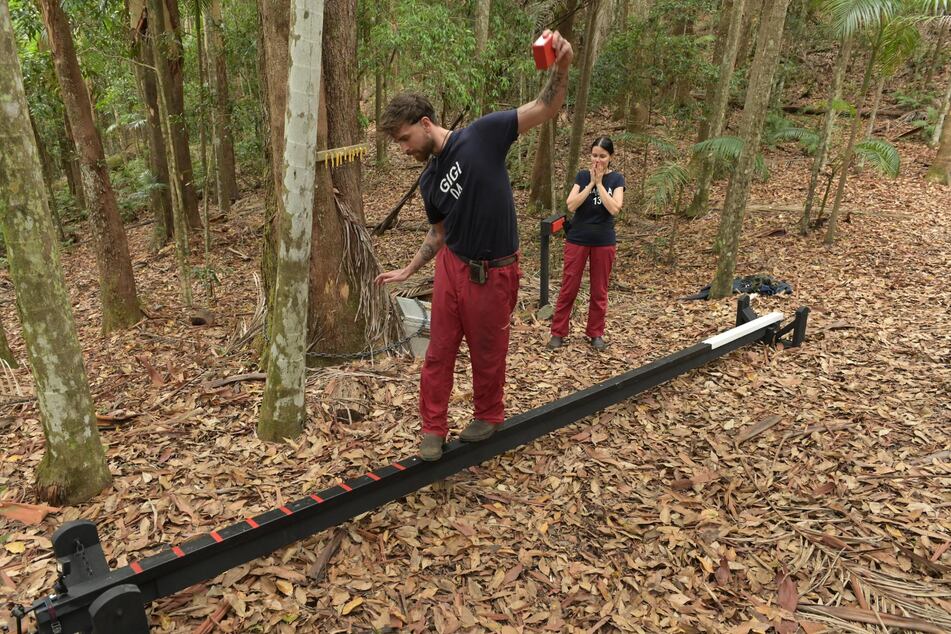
741,331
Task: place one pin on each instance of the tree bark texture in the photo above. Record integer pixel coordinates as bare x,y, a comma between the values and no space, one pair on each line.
581,99
828,125
74,468
171,52
940,170
120,306
161,196
221,99
944,109
284,407
768,47
720,95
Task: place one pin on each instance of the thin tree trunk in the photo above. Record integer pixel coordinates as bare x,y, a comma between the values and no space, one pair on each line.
224,144
750,20
48,181
170,52
160,197
876,102
6,355
179,214
120,306
940,170
581,100
73,468
70,157
944,110
378,98
849,148
935,58
718,106
769,38
284,408
828,125
224,200
483,9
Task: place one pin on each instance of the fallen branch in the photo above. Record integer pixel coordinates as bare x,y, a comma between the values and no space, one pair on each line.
237,378
870,617
208,626
748,433
317,571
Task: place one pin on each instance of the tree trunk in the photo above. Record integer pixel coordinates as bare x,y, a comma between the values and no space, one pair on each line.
347,311
935,58
179,215
940,170
768,45
944,109
876,102
120,306
224,144
850,146
541,191
284,408
160,198
70,161
483,8
379,97
718,105
170,52
74,468
750,19
45,163
828,125
581,99
6,355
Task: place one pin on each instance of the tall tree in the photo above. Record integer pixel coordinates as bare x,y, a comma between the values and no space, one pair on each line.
284,407
828,125
74,468
160,196
581,98
221,103
720,93
768,44
120,306
940,170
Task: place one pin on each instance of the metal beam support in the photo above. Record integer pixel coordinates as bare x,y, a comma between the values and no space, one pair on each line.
79,604
548,226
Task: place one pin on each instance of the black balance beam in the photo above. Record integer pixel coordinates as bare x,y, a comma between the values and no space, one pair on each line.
88,597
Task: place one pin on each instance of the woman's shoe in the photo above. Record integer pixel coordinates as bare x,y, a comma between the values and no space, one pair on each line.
598,344
555,342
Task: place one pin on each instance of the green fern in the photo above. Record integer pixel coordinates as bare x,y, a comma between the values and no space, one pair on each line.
665,185
881,155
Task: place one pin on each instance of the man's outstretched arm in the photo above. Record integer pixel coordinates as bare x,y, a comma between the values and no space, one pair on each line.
552,96
433,242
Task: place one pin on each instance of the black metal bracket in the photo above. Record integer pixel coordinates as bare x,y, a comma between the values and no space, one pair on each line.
548,226
89,597
774,334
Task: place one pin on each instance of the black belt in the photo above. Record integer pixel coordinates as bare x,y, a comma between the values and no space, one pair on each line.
492,264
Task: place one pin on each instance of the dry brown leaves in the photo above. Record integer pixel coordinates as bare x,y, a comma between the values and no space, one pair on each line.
769,491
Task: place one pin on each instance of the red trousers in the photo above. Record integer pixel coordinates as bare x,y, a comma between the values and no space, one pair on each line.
602,259
481,313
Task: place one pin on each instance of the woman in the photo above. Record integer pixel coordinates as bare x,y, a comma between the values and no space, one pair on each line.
595,200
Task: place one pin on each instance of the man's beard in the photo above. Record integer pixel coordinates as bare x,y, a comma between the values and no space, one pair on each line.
423,155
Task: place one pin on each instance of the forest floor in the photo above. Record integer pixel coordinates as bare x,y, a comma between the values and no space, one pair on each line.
665,513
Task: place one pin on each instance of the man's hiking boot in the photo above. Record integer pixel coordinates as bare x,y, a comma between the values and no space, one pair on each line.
430,449
477,430
598,344
555,342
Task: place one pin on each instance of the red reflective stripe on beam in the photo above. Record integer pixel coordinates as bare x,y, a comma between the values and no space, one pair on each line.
343,485
178,551
136,567
250,522
215,536
317,499
286,511
399,466
557,225
373,476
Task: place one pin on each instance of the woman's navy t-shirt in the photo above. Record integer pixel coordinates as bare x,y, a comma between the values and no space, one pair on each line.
467,188
592,225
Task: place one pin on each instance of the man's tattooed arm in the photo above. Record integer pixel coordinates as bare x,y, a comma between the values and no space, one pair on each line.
555,86
431,245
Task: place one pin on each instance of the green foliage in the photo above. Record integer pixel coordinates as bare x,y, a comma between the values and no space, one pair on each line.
913,99
665,186
725,151
779,129
881,155
850,17
133,184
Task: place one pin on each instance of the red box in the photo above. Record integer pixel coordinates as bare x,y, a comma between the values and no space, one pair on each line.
544,52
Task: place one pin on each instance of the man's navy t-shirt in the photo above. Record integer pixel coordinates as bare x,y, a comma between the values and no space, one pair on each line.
593,225
467,188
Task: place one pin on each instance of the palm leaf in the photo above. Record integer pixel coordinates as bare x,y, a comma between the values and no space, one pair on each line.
900,39
665,184
849,17
881,155
807,138
662,145
722,149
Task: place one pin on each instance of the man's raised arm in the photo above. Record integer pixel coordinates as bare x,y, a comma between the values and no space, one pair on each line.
552,96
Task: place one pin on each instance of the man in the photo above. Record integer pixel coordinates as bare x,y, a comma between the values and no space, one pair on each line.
468,199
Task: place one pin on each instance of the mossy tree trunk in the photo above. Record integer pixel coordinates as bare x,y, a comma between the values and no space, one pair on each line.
719,97
944,110
768,45
120,306
284,408
828,125
581,99
73,469
940,170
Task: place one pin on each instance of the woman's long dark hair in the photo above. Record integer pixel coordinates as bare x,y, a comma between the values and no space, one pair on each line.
605,143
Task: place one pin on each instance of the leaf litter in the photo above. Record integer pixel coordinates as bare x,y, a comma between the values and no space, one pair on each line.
771,490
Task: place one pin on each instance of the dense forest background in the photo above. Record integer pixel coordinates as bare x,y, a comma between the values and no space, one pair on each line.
142,209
